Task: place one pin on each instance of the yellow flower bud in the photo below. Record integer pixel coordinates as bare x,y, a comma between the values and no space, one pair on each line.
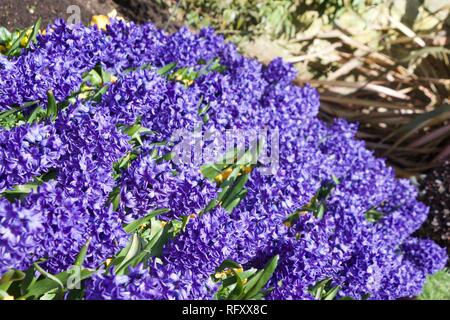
220,275
142,226
247,169
287,224
24,40
219,178
227,173
108,261
224,175
100,21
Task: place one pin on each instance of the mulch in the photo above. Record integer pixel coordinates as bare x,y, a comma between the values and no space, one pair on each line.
435,192
14,15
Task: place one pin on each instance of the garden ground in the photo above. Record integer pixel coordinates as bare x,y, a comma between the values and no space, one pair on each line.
12,16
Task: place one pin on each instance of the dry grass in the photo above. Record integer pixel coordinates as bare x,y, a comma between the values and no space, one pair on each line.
401,105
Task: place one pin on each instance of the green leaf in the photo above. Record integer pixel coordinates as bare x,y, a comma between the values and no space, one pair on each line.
158,237
114,198
97,97
228,184
257,283
320,212
34,32
48,275
236,191
105,75
322,290
167,68
228,264
52,109
133,226
330,295
5,36
211,171
9,277
230,205
153,247
35,114
7,113
238,289
132,249
22,189
211,205
29,280
4,295
82,254
317,289
43,286
16,44
93,78
373,215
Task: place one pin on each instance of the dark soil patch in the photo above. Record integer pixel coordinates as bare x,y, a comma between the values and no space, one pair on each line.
147,10
20,14
435,193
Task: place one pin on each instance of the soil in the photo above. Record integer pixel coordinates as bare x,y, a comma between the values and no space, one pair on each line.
435,193
14,15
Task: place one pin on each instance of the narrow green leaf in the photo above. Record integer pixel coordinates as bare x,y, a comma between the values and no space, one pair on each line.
82,254
43,286
257,283
332,293
228,264
52,110
16,44
9,277
6,113
167,68
29,280
34,115
93,78
210,171
48,275
97,97
133,226
235,194
320,212
132,250
5,35
34,32
373,215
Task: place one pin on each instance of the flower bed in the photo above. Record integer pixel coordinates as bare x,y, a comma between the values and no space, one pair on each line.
89,183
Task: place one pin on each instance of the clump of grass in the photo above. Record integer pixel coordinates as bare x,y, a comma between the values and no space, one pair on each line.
437,286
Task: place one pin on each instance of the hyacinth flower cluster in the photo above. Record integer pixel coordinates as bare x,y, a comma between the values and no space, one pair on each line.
88,178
